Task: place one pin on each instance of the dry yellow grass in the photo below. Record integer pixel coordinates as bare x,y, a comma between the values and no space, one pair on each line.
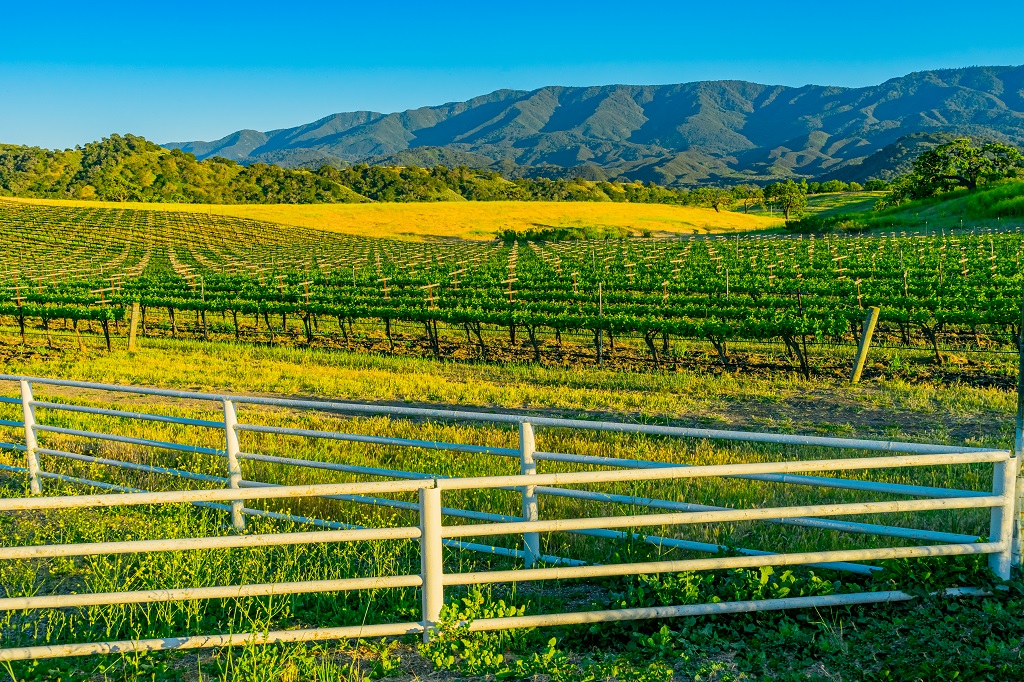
465,219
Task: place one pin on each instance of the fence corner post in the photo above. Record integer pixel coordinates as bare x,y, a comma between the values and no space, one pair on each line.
234,468
29,420
133,326
431,559
865,342
1004,480
1018,448
1016,558
531,512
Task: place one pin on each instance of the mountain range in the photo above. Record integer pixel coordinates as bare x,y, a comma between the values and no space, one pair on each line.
706,132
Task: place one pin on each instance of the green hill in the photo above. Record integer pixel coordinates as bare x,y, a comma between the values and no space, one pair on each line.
997,205
130,168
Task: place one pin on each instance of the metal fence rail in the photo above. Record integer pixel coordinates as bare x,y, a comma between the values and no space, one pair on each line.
433,534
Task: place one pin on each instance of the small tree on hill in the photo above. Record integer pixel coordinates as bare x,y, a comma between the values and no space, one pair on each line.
712,197
748,195
788,195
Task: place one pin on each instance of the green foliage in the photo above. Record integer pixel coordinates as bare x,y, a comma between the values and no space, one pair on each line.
791,197
712,197
454,647
832,186
1000,200
748,195
277,663
129,168
997,200
823,224
954,165
385,663
561,234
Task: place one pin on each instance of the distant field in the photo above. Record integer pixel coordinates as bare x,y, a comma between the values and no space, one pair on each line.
465,219
842,202
832,202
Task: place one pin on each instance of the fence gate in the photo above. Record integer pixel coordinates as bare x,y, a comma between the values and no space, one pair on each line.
47,433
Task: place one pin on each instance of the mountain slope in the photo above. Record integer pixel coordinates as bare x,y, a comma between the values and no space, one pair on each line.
702,132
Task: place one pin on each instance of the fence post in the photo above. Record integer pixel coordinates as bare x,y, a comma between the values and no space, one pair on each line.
1004,479
528,467
133,326
1018,445
865,341
1018,509
431,559
234,468
29,418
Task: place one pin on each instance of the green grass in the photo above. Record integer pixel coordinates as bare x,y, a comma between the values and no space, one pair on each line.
1000,205
916,641
830,203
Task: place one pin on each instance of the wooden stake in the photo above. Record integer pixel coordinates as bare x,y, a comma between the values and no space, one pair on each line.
133,326
865,341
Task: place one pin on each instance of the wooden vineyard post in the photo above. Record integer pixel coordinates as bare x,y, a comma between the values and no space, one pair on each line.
21,314
106,334
133,326
865,342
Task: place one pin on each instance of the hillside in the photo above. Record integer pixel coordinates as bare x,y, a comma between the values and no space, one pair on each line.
999,205
130,168
704,132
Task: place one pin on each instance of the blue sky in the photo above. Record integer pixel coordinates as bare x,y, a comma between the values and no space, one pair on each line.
74,72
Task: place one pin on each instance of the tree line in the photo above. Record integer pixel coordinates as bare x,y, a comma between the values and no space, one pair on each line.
130,168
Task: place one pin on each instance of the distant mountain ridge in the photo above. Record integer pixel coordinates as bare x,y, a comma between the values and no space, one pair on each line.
705,132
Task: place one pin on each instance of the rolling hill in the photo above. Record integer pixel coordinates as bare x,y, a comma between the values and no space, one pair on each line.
694,133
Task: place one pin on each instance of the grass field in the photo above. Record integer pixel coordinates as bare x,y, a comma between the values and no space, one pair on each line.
999,206
983,639
827,204
466,219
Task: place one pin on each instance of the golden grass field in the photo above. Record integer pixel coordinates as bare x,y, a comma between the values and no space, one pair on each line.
464,219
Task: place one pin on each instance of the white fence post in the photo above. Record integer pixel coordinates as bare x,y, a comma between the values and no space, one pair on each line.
29,418
528,467
1004,481
234,468
1018,534
431,559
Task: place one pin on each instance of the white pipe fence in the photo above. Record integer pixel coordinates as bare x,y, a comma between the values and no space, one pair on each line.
433,535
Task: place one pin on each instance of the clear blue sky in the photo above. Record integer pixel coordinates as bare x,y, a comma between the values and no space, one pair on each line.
74,72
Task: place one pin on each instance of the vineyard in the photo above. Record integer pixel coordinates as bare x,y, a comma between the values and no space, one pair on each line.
82,269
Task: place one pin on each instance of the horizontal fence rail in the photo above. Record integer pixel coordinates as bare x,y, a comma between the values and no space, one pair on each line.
230,492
